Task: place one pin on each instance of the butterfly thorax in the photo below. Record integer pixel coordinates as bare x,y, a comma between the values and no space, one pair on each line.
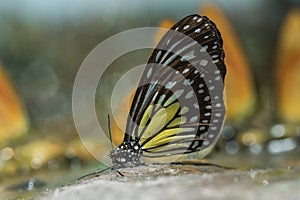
126,155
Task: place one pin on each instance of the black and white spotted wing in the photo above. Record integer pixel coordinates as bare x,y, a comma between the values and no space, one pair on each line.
178,107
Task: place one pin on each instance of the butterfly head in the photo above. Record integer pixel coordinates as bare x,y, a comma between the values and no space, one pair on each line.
126,155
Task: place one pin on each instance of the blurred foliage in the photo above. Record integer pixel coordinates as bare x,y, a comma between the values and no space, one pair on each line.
13,118
288,68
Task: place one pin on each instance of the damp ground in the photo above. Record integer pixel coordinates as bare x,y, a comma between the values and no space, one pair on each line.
183,182
248,177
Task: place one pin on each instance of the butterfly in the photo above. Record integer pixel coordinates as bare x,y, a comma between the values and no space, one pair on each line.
178,107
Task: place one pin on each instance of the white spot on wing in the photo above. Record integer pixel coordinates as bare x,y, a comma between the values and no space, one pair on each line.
170,84
189,94
207,98
188,56
214,128
207,114
155,95
186,27
208,107
194,119
186,70
218,114
202,128
168,41
203,49
218,105
217,78
149,73
162,97
215,121
178,93
195,144
203,63
188,82
197,30
157,56
205,121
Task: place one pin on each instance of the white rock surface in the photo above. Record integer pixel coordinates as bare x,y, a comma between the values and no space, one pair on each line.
183,182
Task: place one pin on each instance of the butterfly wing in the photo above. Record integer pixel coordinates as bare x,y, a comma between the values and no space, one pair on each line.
178,107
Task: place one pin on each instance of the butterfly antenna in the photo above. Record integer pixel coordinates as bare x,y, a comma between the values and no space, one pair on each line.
96,173
109,132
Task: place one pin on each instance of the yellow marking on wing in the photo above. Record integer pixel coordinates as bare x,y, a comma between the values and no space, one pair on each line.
167,136
177,121
146,115
159,120
184,110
